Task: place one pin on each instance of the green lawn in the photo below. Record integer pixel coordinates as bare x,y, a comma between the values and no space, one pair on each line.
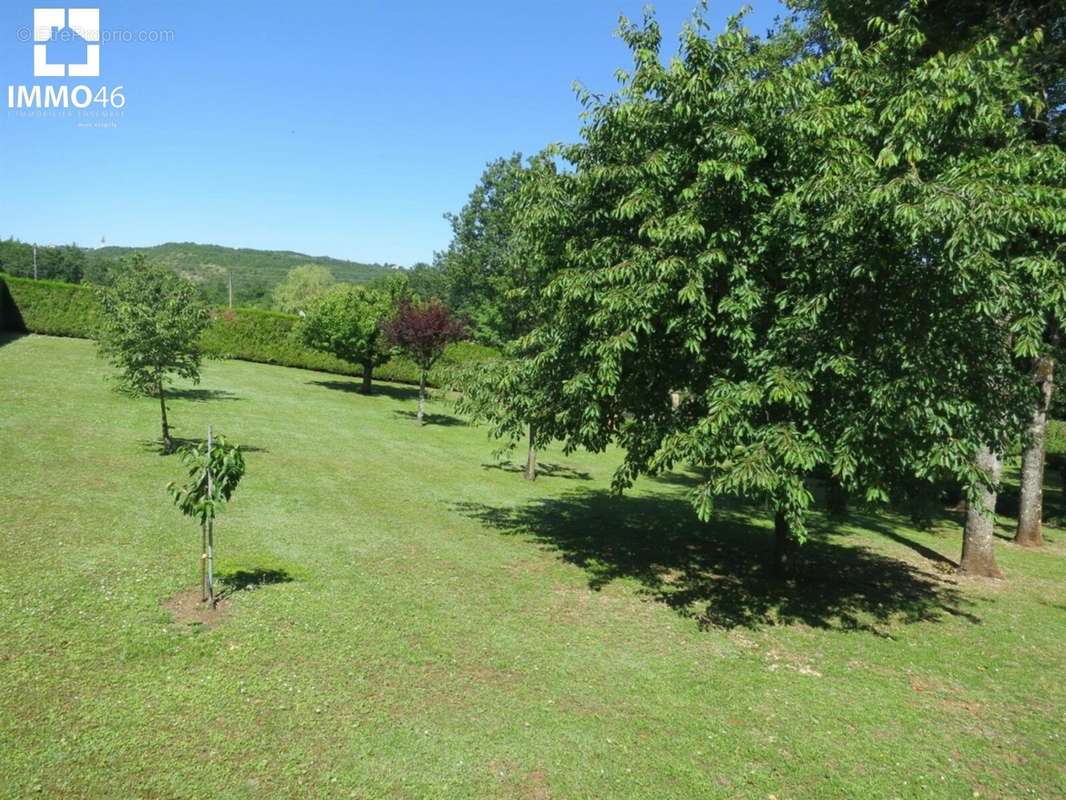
437,627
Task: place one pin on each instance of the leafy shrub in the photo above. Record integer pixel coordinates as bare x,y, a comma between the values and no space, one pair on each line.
1056,437
67,309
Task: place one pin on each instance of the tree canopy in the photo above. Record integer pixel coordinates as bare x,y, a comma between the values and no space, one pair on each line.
151,321
346,322
833,258
422,330
477,269
302,286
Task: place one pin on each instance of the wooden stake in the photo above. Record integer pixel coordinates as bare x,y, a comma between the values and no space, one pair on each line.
203,562
210,526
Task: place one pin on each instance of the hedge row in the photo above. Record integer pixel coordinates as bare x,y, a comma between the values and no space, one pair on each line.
52,307
249,334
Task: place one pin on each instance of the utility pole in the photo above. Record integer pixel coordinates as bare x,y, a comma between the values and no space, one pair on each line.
35,261
230,274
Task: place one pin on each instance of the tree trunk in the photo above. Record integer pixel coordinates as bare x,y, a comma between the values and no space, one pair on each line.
421,397
368,373
167,443
836,498
979,538
1031,500
784,544
531,457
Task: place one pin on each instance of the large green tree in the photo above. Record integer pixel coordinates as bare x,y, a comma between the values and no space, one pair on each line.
150,326
833,257
497,393
952,26
346,322
477,269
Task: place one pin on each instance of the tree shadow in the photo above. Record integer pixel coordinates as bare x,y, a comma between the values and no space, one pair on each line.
688,480
244,579
872,523
544,470
444,420
719,573
1008,500
1054,498
378,389
156,445
7,337
200,395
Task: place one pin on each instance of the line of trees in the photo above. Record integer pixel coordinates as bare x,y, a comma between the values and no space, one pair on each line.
64,263
151,322
831,253
837,248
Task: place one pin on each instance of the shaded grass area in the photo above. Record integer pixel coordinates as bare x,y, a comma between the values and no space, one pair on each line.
720,574
402,620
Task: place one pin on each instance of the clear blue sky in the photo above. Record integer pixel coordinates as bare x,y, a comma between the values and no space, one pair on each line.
343,128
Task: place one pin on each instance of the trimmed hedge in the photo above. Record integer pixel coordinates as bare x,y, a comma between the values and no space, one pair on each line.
10,319
52,307
248,334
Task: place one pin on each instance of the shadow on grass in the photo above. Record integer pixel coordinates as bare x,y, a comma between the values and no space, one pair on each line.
7,337
544,470
379,389
443,420
872,523
243,579
200,395
718,573
156,446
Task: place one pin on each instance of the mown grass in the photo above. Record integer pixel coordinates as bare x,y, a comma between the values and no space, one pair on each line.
407,620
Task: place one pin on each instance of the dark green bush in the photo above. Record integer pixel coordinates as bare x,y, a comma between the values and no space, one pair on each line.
249,334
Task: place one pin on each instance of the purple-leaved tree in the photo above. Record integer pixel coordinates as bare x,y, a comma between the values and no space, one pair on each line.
422,331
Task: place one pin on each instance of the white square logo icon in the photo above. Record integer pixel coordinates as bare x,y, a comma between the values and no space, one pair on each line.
79,24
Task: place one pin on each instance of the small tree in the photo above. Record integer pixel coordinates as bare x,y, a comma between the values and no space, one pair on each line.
346,322
422,331
301,287
498,393
151,323
215,468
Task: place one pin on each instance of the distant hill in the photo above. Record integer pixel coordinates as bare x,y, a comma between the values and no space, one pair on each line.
255,272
